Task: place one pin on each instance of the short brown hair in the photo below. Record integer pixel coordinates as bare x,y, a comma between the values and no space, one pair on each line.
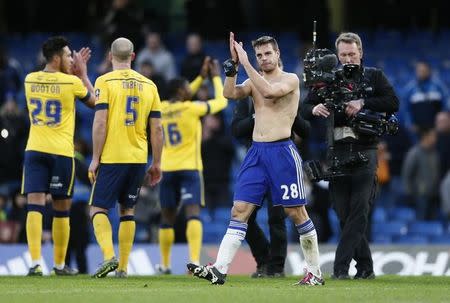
349,38
265,40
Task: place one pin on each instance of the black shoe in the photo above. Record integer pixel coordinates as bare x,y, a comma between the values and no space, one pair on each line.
106,267
66,271
277,275
35,271
340,276
365,274
207,272
261,272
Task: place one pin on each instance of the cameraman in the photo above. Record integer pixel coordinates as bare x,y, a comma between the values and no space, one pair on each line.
352,195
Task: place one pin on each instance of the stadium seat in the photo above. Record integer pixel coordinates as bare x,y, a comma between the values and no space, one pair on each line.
404,214
444,239
431,228
411,239
222,214
381,239
379,215
394,228
334,222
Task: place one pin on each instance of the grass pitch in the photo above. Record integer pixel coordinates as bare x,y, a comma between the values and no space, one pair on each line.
186,289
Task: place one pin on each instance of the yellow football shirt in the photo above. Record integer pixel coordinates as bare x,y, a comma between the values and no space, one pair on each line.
183,130
51,105
131,99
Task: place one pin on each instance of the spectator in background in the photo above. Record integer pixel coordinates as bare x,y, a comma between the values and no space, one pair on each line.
217,155
383,198
13,135
161,58
122,19
424,97
147,214
10,77
18,215
443,141
193,61
420,174
445,197
147,69
79,217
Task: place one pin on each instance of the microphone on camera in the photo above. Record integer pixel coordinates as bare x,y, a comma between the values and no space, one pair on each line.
327,62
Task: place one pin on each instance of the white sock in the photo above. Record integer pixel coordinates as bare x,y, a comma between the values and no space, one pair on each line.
230,244
59,266
36,262
310,246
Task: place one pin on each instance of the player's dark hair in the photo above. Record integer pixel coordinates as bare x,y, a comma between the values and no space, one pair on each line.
53,46
265,40
174,85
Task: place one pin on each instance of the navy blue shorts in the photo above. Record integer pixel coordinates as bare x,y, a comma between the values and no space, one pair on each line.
274,167
48,173
184,186
117,183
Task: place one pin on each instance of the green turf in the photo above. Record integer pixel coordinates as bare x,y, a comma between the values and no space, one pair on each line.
186,289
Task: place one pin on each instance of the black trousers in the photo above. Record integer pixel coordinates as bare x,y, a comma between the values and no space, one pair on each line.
352,197
79,231
269,253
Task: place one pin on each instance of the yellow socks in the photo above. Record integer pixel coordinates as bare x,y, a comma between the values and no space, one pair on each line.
194,235
60,234
166,239
34,231
103,234
127,229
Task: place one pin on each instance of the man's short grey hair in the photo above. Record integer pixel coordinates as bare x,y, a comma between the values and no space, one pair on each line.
121,49
349,38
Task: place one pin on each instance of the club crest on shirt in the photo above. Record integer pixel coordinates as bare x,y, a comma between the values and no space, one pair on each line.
97,93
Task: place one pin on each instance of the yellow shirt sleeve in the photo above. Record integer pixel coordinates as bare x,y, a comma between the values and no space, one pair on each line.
195,84
101,94
212,106
155,111
80,91
219,102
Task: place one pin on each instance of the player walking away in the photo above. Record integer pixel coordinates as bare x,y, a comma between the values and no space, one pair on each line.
182,163
49,165
272,164
126,104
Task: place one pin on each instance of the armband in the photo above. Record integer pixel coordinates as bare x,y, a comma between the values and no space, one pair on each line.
230,68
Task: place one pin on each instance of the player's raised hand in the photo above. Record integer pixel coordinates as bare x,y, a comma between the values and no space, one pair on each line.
85,53
242,54
205,67
92,170
214,68
79,67
233,53
154,174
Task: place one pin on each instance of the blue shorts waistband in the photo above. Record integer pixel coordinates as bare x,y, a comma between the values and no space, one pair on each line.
282,142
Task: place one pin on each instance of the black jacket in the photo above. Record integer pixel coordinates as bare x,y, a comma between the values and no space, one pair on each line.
243,122
382,98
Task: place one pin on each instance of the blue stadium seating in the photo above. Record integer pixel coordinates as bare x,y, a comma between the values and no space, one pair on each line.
444,239
431,228
381,239
404,214
393,228
411,239
379,215
334,222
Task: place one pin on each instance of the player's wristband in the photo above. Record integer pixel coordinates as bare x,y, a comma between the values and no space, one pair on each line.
230,68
